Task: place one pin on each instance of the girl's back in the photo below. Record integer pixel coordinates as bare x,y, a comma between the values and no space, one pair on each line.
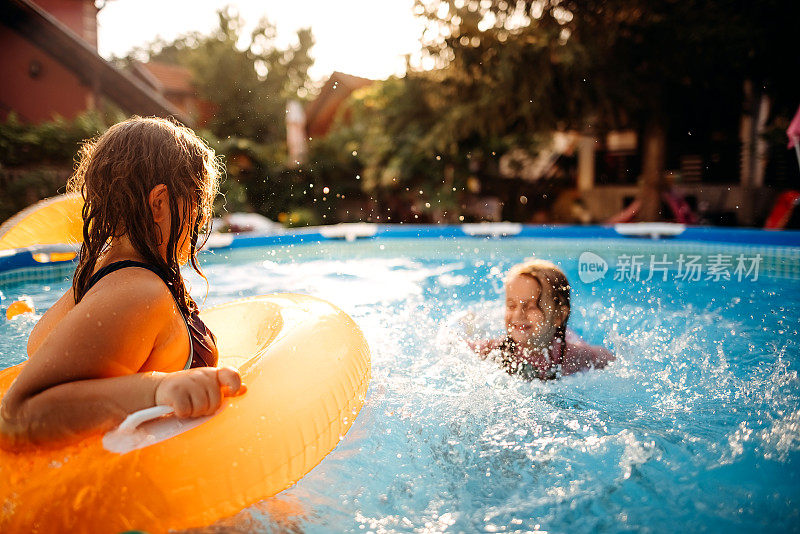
124,336
101,314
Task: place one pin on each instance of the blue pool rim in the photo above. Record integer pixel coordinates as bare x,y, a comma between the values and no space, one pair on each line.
24,258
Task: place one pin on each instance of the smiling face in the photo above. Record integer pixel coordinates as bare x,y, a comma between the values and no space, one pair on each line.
525,321
530,317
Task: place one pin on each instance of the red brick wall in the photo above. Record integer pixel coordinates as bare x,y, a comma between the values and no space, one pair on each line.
80,16
55,90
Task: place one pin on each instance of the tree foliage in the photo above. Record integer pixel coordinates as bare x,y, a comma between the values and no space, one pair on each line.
37,159
538,63
53,143
508,72
247,77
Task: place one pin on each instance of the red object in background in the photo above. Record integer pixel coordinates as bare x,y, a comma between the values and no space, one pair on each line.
321,112
681,211
782,211
50,65
35,85
80,16
174,82
627,214
793,131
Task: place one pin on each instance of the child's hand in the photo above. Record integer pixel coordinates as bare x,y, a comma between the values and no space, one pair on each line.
483,346
199,391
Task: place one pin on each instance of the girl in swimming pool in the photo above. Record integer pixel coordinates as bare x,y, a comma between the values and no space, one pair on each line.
126,335
538,343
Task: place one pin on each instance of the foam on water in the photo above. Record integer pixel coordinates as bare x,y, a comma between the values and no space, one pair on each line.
696,426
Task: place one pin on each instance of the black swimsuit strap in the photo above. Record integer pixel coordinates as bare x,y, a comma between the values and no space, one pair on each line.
117,265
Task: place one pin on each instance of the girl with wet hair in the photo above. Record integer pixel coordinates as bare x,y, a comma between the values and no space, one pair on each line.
127,335
538,344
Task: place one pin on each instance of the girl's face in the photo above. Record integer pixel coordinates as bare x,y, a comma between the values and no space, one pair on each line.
526,323
162,217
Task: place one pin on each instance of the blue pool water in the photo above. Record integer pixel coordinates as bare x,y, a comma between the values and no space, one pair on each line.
695,427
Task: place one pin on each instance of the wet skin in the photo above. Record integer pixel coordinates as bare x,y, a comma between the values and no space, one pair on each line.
121,349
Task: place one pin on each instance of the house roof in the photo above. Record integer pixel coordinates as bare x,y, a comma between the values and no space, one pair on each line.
322,110
52,36
170,78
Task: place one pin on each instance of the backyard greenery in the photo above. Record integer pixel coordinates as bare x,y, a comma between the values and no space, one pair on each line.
506,75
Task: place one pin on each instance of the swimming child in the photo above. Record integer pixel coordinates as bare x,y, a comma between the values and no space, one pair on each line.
538,344
127,335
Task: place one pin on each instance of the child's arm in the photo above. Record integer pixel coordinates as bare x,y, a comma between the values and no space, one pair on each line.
68,412
581,356
484,346
599,356
82,378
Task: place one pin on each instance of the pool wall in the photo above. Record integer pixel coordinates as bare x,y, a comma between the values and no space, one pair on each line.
34,264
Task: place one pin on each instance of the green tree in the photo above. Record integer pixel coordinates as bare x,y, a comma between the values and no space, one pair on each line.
396,135
247,78
37,159
513,67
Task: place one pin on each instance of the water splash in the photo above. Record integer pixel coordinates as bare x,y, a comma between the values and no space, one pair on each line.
695,426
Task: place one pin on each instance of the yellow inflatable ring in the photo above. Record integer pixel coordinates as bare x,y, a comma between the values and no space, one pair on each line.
55,220
307,367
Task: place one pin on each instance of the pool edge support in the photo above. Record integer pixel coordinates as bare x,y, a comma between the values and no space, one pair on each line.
653,230
15,263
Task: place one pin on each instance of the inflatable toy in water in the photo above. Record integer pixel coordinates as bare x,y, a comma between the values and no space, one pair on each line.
307,367
18,307
51,221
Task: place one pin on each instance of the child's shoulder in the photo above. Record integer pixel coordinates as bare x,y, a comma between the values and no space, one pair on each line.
134,283
130,296
582,355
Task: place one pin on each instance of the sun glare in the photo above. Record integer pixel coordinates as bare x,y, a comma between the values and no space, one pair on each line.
361,37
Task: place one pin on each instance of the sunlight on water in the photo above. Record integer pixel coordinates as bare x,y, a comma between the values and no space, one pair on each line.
695,427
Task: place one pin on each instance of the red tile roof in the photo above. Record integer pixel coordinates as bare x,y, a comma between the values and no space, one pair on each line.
321,112
172,78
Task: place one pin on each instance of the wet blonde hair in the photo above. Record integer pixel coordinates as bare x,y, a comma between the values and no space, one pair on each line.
555,294
115,174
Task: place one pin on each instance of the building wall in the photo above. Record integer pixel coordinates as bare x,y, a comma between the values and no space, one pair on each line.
35,86
80,16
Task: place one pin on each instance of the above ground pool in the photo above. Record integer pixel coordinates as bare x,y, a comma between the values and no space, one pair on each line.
695,427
